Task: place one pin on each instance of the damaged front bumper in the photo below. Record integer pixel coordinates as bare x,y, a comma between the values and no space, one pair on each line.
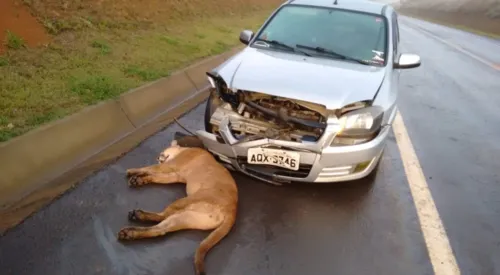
319,161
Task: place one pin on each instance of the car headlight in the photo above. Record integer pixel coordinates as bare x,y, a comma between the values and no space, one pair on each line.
222,91
359,126
212,82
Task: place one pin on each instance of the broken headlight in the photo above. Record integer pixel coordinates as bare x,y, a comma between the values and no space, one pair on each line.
359,126
222,91
212,81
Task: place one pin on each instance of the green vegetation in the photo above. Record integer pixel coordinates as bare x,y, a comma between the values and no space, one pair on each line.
144,73
13,41
102,46
92,88
97,60
4,61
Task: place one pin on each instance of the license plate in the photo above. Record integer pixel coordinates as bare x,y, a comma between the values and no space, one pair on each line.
263,156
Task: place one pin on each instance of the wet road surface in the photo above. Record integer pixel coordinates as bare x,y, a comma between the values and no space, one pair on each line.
450,108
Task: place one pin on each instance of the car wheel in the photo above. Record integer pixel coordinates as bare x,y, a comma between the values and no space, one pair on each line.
209,110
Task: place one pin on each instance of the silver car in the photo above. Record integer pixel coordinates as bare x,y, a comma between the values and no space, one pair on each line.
312,96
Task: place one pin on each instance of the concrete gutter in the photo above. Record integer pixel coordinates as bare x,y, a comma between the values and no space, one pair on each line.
44,163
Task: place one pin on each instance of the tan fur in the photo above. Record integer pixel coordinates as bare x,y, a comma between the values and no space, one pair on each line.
211,200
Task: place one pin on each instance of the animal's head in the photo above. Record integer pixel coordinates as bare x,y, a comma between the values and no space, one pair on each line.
171,152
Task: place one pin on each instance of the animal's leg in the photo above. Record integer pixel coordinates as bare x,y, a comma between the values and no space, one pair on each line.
184,219
176,206
144,216
160,178
163,167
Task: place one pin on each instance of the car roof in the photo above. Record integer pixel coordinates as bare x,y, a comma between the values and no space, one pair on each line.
354,5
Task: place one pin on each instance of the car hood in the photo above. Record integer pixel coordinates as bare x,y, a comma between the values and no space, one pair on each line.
331,83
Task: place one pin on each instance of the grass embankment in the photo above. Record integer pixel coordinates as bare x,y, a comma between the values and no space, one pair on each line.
481,23
100,52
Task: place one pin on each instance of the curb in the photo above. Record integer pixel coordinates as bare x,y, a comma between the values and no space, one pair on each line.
44,163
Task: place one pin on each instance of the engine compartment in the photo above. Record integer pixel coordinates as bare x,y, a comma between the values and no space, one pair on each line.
255,115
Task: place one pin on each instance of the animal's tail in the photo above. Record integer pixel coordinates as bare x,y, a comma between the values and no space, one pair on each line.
210,241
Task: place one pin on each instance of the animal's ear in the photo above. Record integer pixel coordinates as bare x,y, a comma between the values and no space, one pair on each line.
174,143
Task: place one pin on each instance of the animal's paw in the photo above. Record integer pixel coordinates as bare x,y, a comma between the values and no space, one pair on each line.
134,215
125,234
135,172
131,172
136,180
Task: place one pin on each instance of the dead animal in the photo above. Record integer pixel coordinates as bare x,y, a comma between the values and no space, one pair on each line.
211,201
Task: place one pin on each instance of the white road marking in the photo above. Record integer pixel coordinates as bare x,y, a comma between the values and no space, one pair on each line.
456,47
438,245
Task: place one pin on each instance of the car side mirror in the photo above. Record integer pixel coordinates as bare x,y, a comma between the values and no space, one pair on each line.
407,61
246,36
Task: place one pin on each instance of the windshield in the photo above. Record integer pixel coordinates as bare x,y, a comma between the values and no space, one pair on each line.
328,33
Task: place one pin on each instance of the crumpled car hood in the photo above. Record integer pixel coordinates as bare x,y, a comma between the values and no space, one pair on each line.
331,83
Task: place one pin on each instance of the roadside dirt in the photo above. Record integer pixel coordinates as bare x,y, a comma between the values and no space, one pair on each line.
16,18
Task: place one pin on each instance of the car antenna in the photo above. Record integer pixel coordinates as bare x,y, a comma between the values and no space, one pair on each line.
335,2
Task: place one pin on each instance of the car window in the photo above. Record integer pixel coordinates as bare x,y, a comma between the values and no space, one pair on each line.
353,34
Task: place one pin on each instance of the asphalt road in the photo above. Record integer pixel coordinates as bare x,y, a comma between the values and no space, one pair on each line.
450,106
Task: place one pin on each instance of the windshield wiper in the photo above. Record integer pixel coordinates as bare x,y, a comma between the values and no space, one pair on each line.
333,53
283,45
